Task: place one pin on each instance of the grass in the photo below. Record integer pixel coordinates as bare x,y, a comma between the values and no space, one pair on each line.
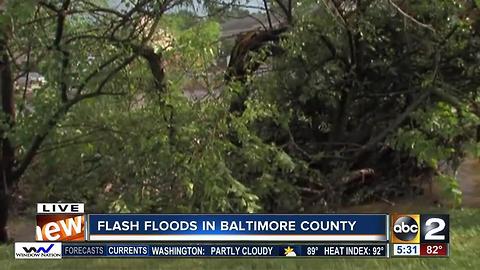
465,254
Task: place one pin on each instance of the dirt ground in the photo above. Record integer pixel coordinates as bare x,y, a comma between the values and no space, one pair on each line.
433,197
469,175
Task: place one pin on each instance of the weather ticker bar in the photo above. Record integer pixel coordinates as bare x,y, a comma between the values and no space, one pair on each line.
225,250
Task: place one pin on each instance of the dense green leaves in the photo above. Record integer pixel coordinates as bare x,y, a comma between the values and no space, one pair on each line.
379,86
347,90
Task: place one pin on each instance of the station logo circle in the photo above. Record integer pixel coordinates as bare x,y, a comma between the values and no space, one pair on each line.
405,228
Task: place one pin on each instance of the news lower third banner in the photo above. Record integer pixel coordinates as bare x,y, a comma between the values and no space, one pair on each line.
64,229
237,227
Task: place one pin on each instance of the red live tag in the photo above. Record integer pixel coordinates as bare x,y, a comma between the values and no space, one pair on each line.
433,249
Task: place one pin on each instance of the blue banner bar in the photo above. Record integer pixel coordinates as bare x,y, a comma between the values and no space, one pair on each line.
238,227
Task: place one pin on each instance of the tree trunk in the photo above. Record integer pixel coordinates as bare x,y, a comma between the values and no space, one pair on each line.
242,63
155,63
4,204
7,157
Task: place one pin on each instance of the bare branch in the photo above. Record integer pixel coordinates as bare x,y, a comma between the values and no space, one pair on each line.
268,14
429,27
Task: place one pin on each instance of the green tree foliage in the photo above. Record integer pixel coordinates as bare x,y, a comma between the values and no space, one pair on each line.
375,91
149,151
356,101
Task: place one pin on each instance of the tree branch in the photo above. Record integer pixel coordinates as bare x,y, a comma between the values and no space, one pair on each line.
61,15
39,138
398,121
406,15
286,10
268,14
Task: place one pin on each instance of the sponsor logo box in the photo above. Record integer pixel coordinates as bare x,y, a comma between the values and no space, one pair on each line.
36,250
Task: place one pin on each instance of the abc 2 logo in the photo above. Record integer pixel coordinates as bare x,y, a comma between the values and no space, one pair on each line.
415,229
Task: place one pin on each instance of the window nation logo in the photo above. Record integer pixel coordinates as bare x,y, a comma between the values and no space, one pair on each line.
35,250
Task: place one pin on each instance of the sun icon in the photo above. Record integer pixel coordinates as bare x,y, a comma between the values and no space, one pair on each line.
289,251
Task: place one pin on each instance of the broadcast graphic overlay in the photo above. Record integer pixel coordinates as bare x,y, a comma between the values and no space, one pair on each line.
420,235
240,227
63,230
34,250
60,222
